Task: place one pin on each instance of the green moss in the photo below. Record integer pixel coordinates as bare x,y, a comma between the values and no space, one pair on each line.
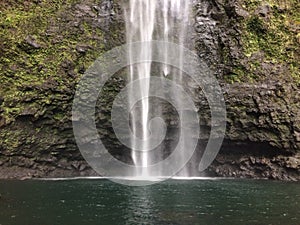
255,25
32,74
295,70
59,116
10,139
241,74
275,36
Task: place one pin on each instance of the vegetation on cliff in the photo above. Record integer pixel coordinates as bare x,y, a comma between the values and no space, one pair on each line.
46,46
270,40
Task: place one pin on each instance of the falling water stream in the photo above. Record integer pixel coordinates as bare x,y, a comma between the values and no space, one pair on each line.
148,20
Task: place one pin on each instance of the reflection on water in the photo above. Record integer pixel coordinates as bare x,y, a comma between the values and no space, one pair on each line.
140,206
176,202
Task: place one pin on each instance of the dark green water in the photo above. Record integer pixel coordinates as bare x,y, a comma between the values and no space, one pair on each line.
176,202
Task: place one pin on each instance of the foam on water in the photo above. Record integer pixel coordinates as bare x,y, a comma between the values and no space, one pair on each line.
133,178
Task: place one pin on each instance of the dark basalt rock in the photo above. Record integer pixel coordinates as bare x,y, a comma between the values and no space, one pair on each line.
41,68
29,44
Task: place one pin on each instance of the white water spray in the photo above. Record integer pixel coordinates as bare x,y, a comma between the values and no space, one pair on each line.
148,20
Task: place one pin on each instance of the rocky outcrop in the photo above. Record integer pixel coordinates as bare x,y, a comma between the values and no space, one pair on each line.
45,48
253,47
250,45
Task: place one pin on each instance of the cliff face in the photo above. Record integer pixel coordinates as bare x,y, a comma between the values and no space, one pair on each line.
254,45
46,47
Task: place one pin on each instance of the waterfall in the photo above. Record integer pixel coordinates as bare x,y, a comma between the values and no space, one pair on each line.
148,20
